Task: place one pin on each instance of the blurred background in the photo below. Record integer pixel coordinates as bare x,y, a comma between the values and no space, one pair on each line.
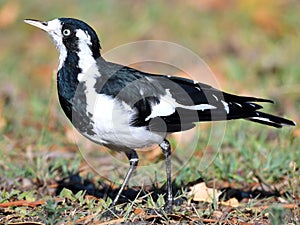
251,46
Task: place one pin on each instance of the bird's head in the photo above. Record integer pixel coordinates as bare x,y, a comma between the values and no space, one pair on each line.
70,36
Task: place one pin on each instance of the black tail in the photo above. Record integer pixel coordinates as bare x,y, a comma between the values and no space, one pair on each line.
271,120
257,116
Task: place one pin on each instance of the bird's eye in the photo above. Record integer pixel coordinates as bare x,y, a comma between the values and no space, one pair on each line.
66,32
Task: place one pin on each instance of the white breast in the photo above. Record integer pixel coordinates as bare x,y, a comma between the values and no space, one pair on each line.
112,122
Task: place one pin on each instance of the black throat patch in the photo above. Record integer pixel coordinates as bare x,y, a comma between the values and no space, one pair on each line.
72,95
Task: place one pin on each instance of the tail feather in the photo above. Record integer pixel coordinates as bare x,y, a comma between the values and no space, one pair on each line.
243,99
257,116
271,120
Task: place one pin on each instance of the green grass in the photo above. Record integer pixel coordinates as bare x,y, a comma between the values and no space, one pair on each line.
248,55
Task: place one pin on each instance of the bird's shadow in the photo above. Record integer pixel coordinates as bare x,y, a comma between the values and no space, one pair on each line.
76,183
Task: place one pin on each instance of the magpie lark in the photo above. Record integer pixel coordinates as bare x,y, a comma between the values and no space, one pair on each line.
124,109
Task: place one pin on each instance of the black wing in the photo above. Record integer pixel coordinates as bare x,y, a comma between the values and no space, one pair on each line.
153,97
130,86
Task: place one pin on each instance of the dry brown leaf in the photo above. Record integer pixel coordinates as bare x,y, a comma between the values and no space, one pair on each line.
9,13
139,211
152,217
233,202
22,203
203,193
217,214
285,206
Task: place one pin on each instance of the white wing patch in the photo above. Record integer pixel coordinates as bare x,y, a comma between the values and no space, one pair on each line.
168,105
164,108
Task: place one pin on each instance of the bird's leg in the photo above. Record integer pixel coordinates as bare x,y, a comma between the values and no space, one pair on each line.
166,149
133,159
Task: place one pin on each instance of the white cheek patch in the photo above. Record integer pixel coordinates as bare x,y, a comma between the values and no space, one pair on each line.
54,30
86,60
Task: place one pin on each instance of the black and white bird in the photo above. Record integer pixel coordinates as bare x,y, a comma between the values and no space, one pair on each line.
125,109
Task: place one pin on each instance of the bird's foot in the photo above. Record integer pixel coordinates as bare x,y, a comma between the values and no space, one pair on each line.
168,207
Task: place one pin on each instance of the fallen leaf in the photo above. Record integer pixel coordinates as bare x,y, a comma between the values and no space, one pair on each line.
231,202
203,193
152,217
22,203
209,220
139,211
285,206
217,214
